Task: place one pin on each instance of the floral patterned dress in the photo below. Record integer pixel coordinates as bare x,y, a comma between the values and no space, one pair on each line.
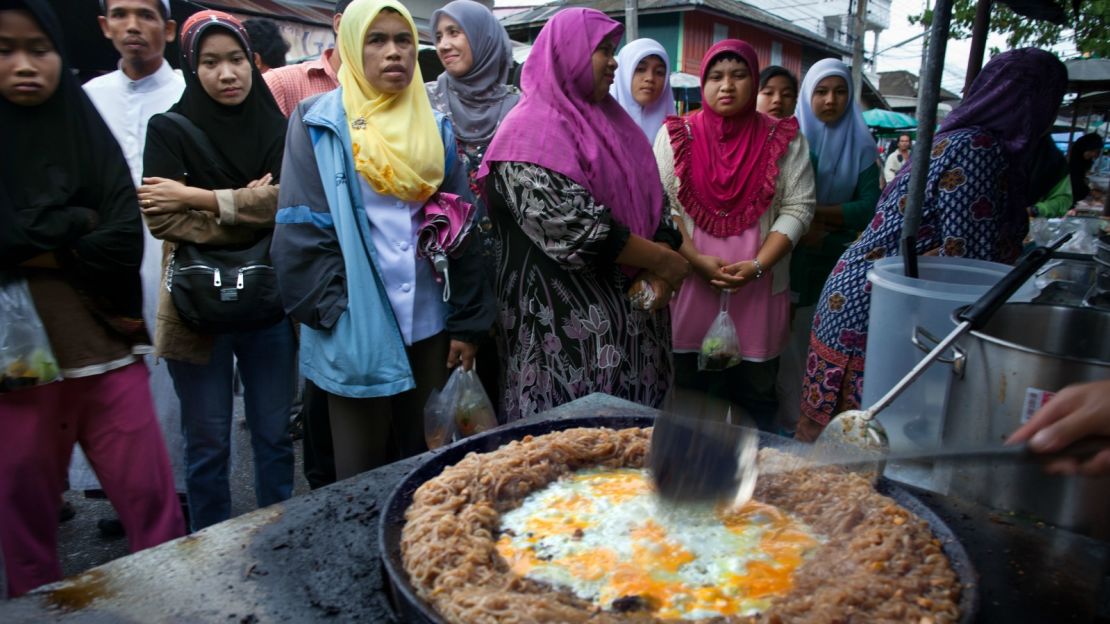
565,325
965,214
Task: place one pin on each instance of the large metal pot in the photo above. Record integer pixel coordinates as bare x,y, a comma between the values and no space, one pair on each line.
1001,374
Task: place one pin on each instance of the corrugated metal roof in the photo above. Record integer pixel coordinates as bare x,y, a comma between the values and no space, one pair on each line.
731,8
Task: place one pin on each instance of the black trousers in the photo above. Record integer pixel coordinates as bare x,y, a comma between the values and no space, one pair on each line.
319,454
749,385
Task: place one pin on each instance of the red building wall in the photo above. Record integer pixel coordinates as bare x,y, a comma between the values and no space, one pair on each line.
697,37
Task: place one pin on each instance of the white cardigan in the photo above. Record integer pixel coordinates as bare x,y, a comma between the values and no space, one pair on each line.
790,213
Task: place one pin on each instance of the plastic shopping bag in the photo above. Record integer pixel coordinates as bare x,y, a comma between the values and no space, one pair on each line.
720,349
642,294
468,402
461,409
439,423
26,359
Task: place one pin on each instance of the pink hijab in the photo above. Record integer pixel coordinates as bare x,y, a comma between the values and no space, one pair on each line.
728,166
558,126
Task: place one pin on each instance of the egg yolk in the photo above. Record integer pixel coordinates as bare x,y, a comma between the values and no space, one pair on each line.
653,558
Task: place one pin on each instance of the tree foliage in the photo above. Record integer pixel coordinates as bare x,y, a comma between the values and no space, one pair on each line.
1088,21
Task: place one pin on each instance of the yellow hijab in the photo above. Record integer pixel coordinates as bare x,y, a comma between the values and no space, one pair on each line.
394,138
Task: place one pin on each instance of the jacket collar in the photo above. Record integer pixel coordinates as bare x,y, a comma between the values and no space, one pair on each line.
327,111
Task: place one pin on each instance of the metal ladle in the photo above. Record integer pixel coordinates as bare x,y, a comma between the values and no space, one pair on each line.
860,429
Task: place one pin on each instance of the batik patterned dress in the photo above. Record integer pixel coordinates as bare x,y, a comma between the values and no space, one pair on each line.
965,214
566,327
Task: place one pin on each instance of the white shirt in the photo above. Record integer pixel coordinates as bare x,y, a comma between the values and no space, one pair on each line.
410,282
127,105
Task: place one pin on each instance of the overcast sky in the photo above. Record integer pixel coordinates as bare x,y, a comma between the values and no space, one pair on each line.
908,57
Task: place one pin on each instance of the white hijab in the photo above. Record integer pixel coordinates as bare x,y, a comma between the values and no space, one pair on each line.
845,148
649,118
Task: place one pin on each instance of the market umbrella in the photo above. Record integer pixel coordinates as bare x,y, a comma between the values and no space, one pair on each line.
1088,74
888,120
447,223
1084,76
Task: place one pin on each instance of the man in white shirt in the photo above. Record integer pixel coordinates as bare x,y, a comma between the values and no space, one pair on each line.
898,158
143,86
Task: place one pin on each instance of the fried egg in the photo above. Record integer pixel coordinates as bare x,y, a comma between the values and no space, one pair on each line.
605,536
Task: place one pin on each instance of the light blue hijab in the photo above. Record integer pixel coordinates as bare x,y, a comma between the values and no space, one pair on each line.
843,149
649,118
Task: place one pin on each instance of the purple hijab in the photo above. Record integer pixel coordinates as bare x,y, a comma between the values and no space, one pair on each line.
558,126
1014,99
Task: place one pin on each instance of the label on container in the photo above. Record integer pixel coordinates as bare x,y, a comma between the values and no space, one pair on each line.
1035,398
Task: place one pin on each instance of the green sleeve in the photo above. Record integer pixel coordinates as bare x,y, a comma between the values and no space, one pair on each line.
861,209
1058,201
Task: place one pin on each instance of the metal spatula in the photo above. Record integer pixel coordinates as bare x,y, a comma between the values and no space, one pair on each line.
694,460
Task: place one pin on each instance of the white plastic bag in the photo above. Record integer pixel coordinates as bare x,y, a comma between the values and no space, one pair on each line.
720,349
461,409
26,359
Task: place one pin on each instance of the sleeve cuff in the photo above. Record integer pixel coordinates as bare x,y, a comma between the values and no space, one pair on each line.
790,227
668,235
614,243
225,199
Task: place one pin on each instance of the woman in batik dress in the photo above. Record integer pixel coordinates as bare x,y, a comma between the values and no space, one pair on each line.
975,203
575,198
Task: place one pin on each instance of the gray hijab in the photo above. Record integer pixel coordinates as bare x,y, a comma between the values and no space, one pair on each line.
478,101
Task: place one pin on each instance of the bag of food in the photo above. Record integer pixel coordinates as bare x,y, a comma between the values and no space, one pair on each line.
26,359
642,294
461,409
467,401
720,349
439,422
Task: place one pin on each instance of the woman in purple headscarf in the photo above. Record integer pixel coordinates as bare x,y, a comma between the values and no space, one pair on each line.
976,195
574,194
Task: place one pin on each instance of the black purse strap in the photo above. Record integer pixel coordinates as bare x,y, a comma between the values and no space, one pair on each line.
203,143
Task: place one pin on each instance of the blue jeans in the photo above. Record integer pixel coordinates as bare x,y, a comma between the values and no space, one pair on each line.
266,368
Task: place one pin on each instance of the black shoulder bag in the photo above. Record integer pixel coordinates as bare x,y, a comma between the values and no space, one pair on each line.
222,289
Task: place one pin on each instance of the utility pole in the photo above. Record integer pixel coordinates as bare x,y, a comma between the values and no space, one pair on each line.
859,28
924,56
631,20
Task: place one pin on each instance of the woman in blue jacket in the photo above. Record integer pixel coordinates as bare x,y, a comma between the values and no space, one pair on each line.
361,162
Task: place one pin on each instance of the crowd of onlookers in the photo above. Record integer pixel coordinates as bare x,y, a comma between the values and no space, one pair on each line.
244,222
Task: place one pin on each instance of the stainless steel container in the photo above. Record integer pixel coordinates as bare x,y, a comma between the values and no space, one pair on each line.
1001,375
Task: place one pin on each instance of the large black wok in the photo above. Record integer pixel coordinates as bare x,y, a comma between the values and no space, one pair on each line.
411,608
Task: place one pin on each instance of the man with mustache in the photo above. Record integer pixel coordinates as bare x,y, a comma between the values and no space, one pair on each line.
143,86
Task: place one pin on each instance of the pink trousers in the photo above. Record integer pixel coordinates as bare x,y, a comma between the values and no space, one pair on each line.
112,416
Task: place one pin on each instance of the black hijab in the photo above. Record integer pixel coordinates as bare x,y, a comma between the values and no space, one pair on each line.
1046,170
249,136
1079,165
65,188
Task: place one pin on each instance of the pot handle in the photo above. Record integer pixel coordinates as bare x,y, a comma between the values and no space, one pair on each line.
958,359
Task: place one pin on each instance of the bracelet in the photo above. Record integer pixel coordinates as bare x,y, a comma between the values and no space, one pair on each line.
758,268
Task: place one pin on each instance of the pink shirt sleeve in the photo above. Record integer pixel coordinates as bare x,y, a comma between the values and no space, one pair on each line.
277,88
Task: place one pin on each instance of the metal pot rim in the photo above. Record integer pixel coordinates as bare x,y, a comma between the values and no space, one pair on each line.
1019,347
